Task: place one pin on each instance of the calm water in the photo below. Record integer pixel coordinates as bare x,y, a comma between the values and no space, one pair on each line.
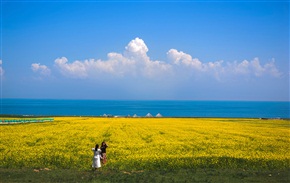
141,108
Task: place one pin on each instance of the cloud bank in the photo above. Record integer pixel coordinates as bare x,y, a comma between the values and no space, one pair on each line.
134,62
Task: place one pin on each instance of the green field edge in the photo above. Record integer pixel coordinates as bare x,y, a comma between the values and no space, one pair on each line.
110,175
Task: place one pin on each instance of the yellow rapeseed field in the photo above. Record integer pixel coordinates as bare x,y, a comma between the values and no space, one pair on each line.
147,143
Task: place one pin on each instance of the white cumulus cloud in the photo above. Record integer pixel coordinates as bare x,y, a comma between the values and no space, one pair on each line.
76,69
1,69
133,62
42,69
181,58
254,67
137,47
221,68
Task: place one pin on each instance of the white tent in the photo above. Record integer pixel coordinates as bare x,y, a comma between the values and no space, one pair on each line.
159,115
149,115
135,116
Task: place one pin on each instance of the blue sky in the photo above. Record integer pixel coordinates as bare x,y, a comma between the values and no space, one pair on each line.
168,50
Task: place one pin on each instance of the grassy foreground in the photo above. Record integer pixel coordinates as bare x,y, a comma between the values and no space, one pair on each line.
147,150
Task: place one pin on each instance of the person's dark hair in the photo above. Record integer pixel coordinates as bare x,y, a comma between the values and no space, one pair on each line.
103,143
97,147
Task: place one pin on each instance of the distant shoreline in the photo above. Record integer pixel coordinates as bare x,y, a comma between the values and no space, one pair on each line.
129,117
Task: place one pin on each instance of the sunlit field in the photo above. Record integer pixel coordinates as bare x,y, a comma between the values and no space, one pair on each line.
147,143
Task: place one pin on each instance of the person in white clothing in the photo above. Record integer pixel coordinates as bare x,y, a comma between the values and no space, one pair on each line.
96,158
